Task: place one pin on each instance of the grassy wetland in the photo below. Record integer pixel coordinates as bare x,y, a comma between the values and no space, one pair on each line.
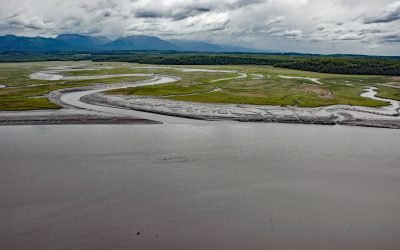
20,92
258,85
270,86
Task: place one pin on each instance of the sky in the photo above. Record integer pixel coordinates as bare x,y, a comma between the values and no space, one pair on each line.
310,26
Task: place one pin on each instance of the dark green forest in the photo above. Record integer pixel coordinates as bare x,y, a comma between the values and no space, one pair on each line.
338,64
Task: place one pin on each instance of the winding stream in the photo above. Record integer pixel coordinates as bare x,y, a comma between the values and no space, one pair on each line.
74,99
164,107
315,80
371,92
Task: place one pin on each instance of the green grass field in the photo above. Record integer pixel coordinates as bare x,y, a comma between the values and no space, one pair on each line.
263,85
23,93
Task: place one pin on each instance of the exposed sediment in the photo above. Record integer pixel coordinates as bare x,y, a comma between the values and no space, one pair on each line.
331,115
66,116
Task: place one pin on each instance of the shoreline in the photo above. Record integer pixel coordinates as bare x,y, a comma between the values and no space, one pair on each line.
100,99
75,121
53,119
66,116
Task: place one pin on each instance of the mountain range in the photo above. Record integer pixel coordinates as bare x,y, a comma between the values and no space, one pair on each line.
76,42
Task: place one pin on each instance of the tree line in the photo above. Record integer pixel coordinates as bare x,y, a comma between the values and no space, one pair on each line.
338,64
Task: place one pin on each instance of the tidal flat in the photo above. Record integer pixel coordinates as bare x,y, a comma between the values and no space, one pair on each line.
238,93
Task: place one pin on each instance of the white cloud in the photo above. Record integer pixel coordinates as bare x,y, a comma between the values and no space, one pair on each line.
319,26
276,20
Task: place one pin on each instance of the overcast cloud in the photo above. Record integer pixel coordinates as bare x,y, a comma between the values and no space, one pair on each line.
315,26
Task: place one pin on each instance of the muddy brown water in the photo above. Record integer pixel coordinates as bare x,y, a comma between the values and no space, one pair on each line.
213,186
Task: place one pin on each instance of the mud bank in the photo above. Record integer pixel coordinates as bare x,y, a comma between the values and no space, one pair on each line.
385,117
66,116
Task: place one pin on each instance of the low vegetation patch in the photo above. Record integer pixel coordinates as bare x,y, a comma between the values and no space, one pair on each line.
23,93
272,90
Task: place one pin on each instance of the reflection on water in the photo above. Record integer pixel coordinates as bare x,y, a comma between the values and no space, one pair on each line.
211,186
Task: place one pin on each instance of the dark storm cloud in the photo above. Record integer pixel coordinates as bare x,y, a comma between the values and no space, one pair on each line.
392,38
190,8
366,31
148,14
179,14
390,14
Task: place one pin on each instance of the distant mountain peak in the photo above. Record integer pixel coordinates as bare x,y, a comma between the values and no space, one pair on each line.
141,36
62,36
141,42
201,46
79,42
84,42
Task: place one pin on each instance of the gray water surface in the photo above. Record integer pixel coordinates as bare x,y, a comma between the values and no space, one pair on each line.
217,186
